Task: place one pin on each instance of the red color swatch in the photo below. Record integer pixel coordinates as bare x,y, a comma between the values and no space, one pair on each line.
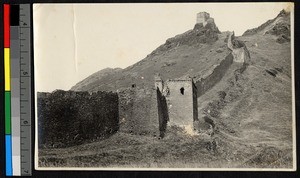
6,24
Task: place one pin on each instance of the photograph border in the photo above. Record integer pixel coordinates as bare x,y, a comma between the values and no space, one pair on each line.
190,169
195,169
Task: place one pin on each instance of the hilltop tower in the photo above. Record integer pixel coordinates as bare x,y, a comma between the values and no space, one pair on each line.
204,20
202,17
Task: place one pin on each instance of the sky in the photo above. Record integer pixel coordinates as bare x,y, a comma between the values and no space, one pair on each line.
73,41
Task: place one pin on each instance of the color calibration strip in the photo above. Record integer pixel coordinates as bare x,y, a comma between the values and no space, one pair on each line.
17,89
7,97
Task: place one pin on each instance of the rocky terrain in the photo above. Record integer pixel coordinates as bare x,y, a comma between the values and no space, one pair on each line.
245,117
279,26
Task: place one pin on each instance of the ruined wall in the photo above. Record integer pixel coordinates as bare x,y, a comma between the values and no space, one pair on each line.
159,83
195,102
240,52
180,105
146,111
207,83
67,118
126,99
138,111
162,110
240,55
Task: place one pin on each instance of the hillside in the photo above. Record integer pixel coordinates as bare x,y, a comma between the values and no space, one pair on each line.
245,119
279,26
192,53
94,77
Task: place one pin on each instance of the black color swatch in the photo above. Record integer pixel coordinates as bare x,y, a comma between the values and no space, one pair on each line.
14,15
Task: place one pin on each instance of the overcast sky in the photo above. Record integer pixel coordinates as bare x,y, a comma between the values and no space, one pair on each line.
72,42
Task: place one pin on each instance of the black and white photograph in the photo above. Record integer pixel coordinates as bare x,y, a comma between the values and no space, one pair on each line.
164,86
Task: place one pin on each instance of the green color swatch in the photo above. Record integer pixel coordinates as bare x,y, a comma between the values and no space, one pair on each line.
7,112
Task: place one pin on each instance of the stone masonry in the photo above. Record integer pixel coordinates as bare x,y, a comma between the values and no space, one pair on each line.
181,99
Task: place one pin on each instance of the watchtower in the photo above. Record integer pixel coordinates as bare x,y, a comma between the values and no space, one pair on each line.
202,17
181,99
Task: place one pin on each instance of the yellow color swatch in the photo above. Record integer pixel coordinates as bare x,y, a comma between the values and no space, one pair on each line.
7,68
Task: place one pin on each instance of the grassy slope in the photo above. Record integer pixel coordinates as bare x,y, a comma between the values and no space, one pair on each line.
253,125
94,77
255,117
125,150
195,60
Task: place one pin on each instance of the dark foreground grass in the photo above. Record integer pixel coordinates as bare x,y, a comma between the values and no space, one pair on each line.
126,150
177,150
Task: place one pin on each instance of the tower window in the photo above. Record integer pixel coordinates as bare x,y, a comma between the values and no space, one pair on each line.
182,91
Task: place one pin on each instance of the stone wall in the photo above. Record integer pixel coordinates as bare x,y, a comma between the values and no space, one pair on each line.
145,111
204,84
195,102
67,118
138,111
163,115
239,52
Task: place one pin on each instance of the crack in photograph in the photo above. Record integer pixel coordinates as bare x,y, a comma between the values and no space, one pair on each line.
164,86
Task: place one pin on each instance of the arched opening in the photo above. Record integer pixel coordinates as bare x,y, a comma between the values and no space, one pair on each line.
182,91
